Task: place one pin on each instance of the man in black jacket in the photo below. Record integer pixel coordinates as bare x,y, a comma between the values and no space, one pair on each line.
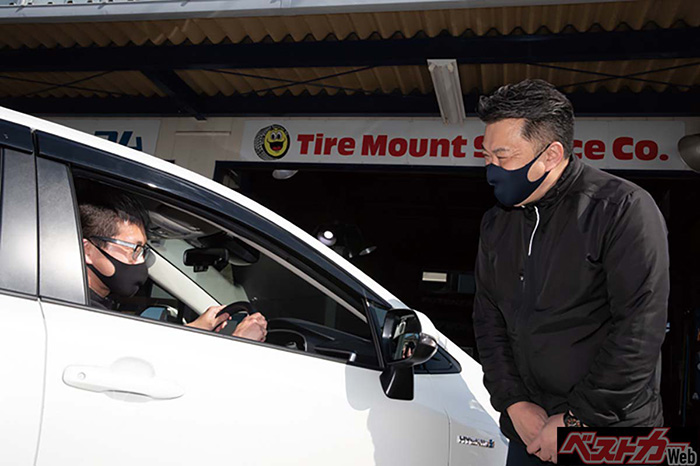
572,280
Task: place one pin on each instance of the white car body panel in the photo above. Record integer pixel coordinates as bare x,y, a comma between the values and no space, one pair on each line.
471,370
267,407
466,400
22,346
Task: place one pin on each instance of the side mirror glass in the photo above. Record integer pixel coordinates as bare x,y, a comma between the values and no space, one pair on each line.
404,347
414,349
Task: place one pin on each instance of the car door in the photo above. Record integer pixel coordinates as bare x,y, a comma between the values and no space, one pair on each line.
22,334
125,390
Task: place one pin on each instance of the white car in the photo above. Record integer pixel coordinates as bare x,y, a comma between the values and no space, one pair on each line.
333,384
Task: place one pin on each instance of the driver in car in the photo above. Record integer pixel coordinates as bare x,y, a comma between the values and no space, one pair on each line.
114,241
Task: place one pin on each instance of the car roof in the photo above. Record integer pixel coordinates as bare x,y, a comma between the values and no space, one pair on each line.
201,181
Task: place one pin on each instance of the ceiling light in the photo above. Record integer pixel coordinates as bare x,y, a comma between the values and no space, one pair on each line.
448,90
327,237
367,251
283,174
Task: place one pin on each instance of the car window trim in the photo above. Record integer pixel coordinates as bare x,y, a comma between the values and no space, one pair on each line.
17,137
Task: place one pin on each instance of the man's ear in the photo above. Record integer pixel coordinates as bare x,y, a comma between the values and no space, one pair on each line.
554,155
88,250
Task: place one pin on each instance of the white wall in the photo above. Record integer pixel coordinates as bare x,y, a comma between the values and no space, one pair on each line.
197,145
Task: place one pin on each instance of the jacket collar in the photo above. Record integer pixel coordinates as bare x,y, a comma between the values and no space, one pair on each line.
563,184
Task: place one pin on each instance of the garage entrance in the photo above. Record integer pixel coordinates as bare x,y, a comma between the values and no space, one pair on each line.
424,226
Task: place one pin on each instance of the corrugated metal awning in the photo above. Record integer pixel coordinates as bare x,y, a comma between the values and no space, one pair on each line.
633,15
339,55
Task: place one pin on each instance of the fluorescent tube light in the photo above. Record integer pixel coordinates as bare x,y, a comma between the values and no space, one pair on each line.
448,90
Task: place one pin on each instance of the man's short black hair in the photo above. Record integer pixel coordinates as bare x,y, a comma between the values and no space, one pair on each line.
548,114
101,216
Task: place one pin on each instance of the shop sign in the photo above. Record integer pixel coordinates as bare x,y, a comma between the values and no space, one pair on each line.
607,144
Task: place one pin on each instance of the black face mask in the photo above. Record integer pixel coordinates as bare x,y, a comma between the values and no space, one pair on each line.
512,187
126,279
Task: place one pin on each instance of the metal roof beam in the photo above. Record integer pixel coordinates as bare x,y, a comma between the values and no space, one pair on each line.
647,103
174,87
543,48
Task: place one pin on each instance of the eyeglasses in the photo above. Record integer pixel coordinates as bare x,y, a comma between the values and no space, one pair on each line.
139,251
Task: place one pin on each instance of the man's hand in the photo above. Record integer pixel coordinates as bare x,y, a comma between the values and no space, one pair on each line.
253,327
528,420
209,320
545,445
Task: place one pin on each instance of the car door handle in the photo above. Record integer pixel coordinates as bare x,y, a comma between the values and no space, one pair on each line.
110,379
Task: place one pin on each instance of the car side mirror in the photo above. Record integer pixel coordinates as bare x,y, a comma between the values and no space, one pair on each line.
404,347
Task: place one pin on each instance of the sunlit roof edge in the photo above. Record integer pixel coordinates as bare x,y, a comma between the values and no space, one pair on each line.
37,11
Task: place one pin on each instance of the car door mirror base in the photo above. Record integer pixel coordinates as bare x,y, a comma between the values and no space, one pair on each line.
397,382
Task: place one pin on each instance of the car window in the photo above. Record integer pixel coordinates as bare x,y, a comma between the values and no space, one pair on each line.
233,269
156,303
270,286
202,262
314,306
219,284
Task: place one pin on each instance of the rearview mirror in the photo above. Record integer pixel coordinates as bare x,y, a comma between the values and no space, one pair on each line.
203,258
239,252
404,347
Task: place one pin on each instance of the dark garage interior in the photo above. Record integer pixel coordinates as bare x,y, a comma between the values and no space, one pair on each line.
428,221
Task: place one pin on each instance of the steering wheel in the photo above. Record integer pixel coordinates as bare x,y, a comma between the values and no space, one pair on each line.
282,331
235,308
238,311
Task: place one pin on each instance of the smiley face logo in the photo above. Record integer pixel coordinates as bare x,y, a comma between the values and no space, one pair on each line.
271,142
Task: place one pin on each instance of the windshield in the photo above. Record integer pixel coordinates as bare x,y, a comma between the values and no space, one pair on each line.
219,284
230,270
